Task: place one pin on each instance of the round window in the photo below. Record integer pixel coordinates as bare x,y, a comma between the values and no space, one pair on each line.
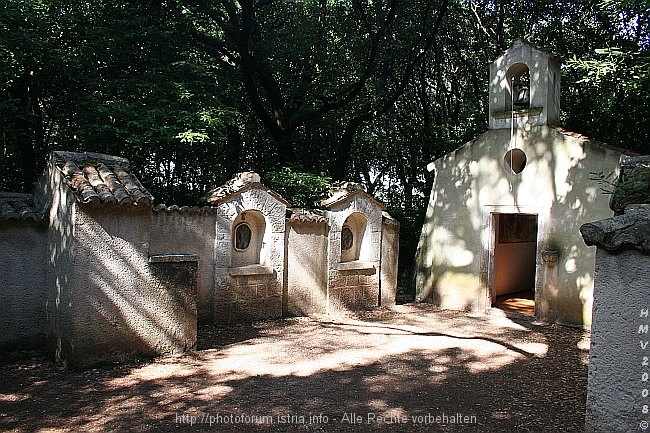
242,236
515,160
347,238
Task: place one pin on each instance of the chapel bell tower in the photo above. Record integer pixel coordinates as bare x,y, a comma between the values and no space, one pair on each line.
524,87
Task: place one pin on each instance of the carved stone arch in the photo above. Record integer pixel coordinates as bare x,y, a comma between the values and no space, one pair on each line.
248,233
355,238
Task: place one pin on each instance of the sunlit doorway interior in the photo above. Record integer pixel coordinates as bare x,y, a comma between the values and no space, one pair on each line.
515,251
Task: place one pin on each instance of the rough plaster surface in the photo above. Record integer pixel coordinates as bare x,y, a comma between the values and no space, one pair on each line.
454,263
389,262
174,231
306,268
109,305
23,246
618,359
544,85
119,280
249,297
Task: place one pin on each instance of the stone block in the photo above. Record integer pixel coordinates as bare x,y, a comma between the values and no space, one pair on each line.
352,280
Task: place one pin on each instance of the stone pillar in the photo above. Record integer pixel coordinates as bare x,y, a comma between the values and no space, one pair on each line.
618,397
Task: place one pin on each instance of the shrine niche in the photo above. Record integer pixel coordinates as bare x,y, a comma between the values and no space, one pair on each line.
249,251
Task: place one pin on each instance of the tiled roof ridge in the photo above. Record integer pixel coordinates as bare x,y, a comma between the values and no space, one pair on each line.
182,209
602,144
100,178
62,156
306,215
342,190
337,191
18,206
239,183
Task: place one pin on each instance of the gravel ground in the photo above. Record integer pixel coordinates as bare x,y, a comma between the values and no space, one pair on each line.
409,369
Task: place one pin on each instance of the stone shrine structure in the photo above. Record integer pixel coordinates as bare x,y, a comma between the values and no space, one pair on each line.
100,274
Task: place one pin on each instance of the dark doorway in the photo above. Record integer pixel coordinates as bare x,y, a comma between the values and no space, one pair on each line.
515,252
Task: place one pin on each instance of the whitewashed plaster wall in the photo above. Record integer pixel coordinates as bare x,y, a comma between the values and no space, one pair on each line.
249,292
23,292
454,260
109,304
179,230
389,262
544,87
61,204
354,285
103,302
306,268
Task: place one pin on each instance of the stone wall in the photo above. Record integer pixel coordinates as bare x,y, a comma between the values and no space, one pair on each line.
618,358
107,277
23,293
353,289
618,392
109,305
354,285
254,291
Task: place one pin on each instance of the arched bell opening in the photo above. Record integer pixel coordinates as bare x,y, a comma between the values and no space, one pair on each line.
518,87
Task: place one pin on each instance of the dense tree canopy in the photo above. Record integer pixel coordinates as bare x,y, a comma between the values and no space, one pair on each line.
192,91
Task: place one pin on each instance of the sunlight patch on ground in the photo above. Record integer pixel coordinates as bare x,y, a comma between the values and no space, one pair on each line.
14,397
322,354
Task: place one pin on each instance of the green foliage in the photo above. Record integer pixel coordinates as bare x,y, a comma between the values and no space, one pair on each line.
410,220
631,185
193,91
301,189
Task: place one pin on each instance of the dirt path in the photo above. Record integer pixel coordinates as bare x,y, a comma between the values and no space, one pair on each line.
413,369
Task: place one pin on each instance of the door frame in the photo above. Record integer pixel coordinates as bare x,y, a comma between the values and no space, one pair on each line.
488,243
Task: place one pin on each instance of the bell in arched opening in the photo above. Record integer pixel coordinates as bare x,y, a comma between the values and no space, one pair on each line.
518,76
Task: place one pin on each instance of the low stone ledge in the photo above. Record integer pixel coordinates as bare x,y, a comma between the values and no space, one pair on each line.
356,265
534,111
173,258
251,270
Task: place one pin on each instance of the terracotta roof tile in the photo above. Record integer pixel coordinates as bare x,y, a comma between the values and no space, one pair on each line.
16,206
306,215
341,191
184,209
594,142
237,184
100,178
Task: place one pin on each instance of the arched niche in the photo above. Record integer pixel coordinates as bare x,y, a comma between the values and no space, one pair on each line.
518,87
248,235
355,238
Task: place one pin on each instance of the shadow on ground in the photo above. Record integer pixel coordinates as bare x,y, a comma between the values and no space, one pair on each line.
450,372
